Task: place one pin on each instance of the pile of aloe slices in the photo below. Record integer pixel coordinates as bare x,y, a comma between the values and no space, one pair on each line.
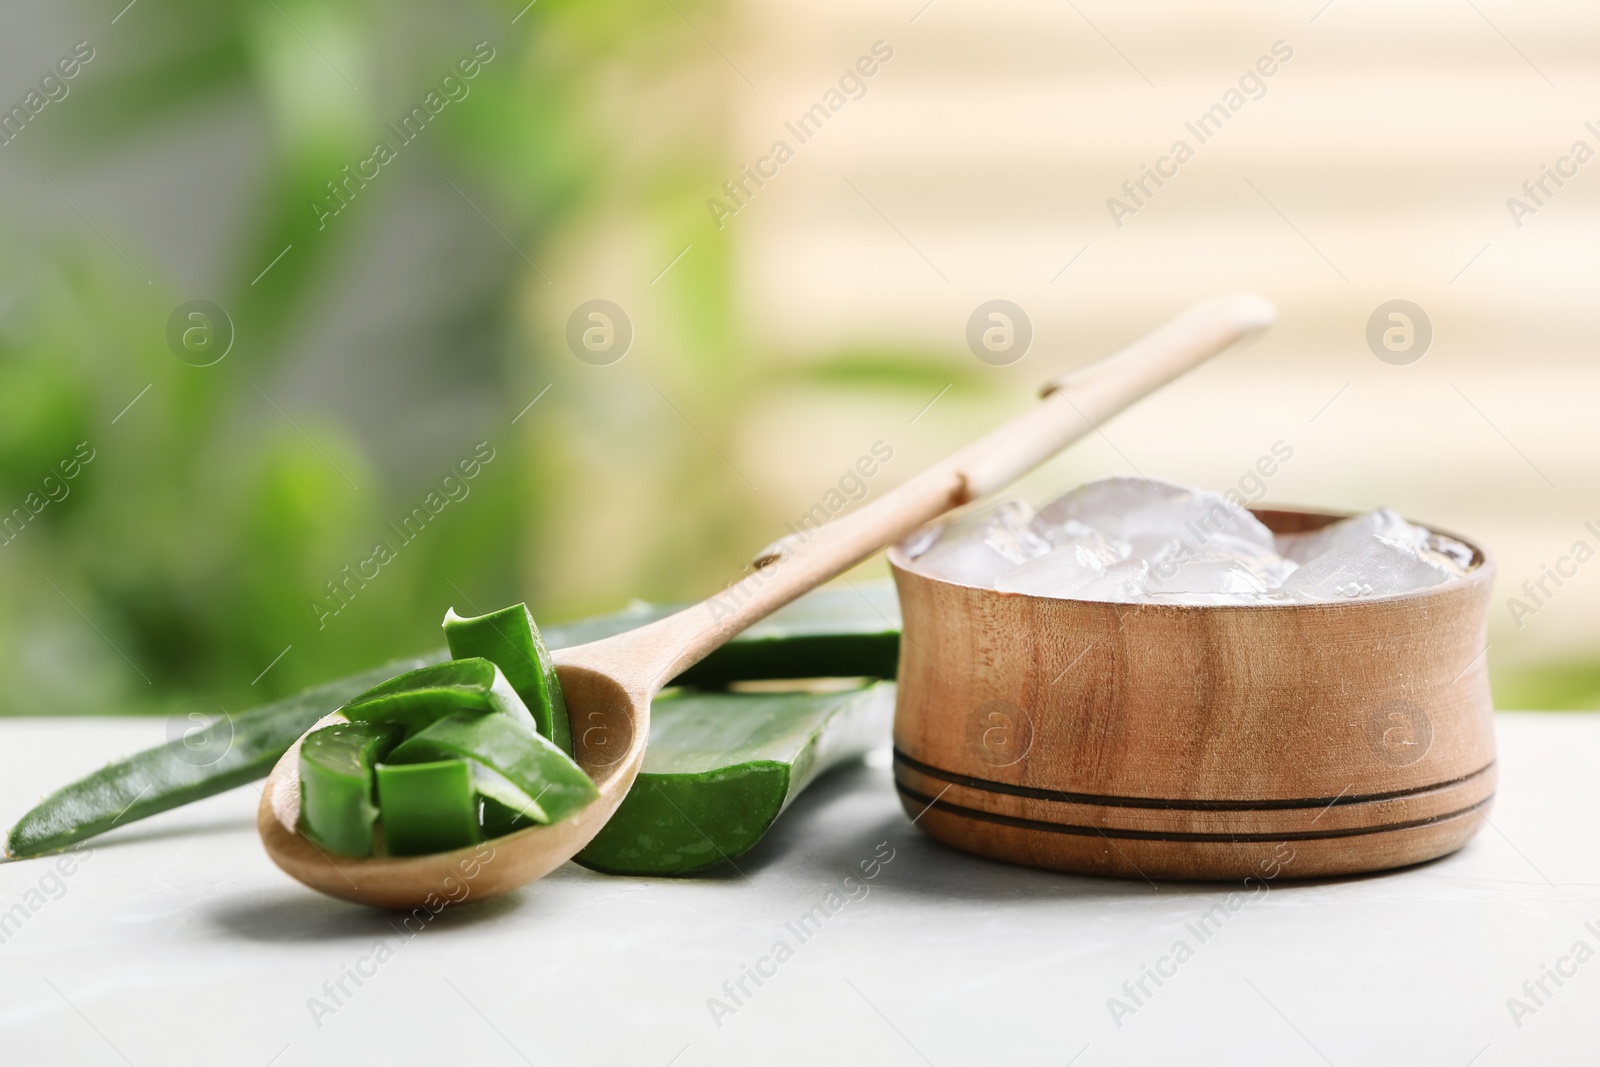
473,741
445,756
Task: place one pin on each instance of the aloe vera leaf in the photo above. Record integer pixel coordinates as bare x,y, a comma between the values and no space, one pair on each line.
427,807
337,810
851,632
419,698
528,760
721,768
170,776
510,639
797,641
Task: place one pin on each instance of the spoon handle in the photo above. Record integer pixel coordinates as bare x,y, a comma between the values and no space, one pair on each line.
1072,406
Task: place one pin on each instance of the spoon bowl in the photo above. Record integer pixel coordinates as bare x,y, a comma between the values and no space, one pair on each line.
608,740
609,684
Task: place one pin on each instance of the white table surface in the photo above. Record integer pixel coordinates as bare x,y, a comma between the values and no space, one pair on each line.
177,942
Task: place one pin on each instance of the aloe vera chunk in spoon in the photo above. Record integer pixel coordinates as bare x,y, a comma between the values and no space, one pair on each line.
337,810
506,746
502,805
419,698
427,807
510,639
721,768
464,712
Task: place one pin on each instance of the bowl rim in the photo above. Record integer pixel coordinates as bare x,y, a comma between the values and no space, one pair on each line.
1481,573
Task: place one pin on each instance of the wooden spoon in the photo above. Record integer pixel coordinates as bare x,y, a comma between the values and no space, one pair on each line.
609,684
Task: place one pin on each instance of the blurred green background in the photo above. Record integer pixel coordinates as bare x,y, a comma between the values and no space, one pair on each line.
376,348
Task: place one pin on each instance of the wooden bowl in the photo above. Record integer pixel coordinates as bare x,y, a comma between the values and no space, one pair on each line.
1207,742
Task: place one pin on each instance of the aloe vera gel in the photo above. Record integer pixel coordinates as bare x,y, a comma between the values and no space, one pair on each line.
448,755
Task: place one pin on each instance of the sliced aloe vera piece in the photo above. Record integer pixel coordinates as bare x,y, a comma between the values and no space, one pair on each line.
503,805
419,698
721,768
427,807
529,761
336,790
510,639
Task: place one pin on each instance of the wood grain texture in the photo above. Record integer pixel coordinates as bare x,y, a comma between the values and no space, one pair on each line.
1185,742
